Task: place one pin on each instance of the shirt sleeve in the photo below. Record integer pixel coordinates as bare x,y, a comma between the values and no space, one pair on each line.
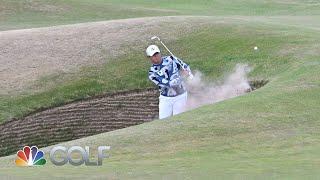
157,79
181,64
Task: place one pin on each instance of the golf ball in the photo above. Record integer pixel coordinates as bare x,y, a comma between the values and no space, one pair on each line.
255,48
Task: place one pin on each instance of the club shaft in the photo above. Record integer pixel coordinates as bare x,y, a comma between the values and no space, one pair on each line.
169,51
166,48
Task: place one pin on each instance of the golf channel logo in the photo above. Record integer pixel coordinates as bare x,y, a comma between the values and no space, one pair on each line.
59,156
30,157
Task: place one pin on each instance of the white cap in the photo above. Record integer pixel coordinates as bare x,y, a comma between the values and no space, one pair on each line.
152,49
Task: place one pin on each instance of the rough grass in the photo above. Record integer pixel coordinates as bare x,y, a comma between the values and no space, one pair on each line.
17,14
270,133
29,54
213,48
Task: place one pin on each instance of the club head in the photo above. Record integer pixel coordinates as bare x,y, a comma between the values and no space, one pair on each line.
155,37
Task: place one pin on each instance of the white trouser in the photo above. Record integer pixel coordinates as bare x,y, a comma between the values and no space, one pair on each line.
169,106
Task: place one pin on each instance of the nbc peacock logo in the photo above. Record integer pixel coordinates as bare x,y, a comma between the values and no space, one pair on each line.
30,157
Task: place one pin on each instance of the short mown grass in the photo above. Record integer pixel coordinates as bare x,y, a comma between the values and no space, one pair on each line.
17,14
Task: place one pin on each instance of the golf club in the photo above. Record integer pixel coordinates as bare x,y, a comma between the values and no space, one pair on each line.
157,38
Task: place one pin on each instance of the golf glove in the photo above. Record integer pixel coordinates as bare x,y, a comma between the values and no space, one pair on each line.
175,82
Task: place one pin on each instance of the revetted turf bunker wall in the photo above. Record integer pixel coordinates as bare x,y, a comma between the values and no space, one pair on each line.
83,118
79,119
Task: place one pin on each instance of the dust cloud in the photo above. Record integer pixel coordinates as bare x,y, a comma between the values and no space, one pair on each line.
201,92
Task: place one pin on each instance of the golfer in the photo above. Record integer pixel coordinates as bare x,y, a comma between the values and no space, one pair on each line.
167,73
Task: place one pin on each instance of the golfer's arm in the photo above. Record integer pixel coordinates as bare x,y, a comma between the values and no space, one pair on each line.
158,80
182,65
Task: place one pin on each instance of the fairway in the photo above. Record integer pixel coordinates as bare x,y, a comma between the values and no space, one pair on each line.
54,52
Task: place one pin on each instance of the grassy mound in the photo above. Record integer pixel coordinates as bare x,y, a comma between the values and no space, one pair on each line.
214,48
271,132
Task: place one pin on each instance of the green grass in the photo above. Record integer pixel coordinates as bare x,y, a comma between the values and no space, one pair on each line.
271,133
17,14
213,49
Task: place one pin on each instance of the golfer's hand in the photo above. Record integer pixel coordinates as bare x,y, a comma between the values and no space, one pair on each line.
185,73
190,76
175,82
